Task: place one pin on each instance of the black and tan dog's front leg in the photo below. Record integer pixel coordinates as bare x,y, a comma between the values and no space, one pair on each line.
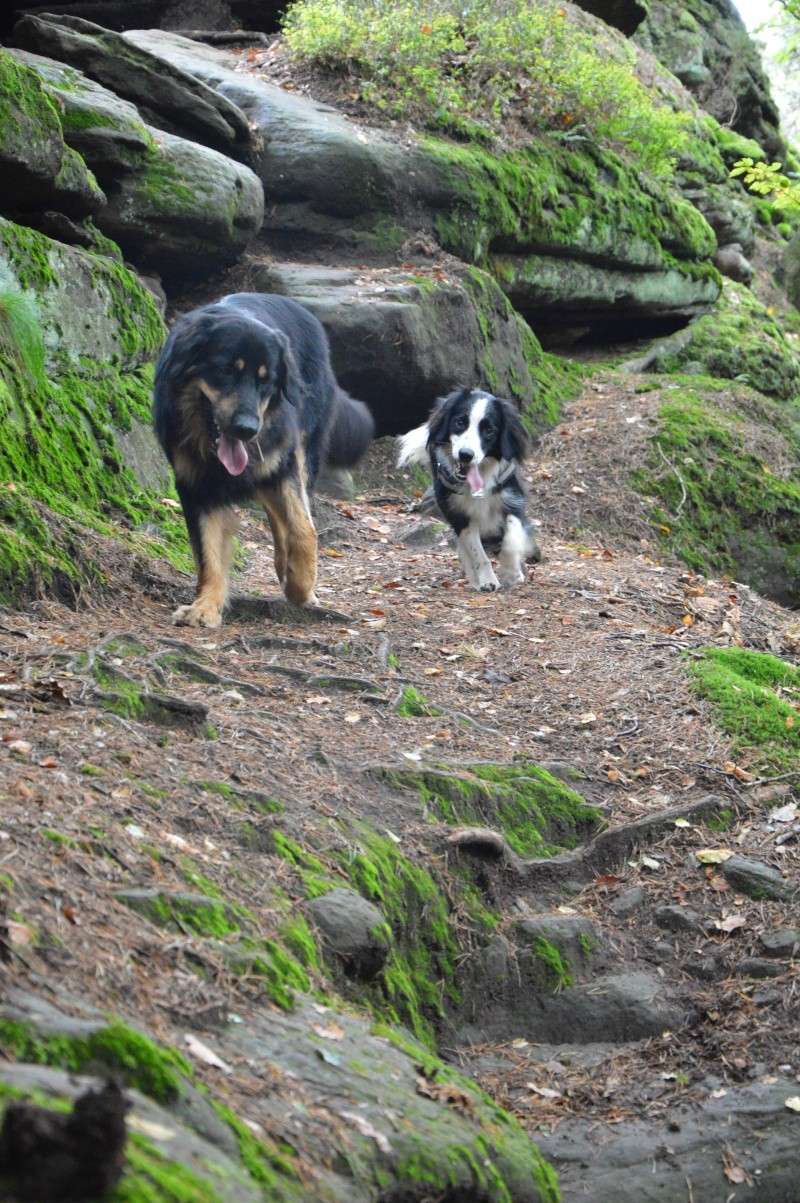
295,539
211,535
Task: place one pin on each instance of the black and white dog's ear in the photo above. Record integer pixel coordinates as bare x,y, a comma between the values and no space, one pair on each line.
288,382
513,436
439,421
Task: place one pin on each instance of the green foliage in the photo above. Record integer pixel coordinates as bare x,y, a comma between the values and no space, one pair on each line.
473,69
768,179
755,698
414,704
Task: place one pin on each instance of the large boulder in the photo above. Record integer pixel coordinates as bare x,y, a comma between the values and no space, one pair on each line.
77,332
168,97
34,159
401,338
104,129
738,340
187,211
331,182
176,207
705,43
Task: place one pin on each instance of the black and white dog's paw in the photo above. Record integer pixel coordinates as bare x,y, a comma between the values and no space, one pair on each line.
509,577
486,580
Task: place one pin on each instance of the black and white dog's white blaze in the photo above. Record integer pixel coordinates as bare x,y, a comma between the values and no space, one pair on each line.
475,443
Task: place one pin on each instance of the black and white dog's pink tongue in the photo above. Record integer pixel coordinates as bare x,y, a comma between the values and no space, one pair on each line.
232,454
474,479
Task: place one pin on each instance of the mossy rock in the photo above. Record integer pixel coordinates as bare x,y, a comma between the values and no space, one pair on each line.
197,914
537,814
705,43
77,331
207,1154
105,129
740,340
721,480
401,338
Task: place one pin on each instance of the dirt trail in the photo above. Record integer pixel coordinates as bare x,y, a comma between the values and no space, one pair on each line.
580,669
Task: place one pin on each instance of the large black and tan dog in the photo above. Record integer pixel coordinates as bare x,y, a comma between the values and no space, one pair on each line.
247,406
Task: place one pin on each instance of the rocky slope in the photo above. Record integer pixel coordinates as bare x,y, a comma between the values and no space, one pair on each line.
406,897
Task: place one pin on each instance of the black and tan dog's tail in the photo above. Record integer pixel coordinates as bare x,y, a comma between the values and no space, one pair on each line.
350,432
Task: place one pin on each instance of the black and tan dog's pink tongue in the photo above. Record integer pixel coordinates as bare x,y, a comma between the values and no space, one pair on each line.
232,454
474,480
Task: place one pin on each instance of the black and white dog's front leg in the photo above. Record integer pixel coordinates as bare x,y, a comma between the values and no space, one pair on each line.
474,560
513,553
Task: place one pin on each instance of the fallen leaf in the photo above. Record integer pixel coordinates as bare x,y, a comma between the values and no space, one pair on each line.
203,1053
717,882
367,1129
331,1032
730,923
713,856
649,862
353,716
793,1103
146,1127
20,746
682,823
544,1092
71,915
784,814
449,1093
19,934
588,717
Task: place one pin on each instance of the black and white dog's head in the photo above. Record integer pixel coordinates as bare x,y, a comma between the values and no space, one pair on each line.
468,435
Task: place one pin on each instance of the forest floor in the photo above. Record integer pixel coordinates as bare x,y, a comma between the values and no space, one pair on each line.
582,669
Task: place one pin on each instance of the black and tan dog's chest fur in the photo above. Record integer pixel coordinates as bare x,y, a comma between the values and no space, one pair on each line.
247,407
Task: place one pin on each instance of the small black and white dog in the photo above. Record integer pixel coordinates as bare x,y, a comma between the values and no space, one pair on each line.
476,443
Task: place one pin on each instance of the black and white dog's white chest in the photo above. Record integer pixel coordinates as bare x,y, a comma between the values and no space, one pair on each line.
475,443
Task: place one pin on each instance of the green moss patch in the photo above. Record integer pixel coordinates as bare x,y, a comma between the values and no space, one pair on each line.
556,969
154,1070
740,340
550,198
755,699
537,814
63,471
722,478
545,383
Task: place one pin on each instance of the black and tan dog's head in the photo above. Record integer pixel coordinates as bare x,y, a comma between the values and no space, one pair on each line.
229,372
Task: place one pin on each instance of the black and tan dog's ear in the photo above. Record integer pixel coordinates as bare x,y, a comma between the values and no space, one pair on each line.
513,436
288,382
180,359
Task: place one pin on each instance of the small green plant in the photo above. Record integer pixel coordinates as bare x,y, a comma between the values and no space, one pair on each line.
414,704
474,69
768,179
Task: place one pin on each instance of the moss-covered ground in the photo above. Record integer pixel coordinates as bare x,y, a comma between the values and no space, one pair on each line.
755,698
537,814
721,476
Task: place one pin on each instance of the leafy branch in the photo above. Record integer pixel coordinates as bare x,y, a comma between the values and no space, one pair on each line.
768,179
